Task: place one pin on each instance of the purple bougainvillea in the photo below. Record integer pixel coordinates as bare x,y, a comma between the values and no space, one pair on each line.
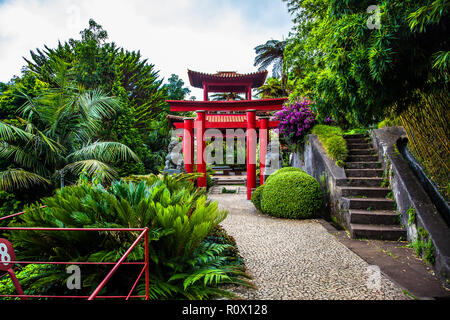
296,120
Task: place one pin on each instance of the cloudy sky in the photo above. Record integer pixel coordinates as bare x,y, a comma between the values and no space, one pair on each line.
175,35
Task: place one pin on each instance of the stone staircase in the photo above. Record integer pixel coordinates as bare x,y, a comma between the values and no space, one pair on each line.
371,214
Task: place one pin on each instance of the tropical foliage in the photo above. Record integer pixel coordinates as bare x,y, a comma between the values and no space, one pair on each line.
274,88
54,136
362,64
187,261
93,65
360,73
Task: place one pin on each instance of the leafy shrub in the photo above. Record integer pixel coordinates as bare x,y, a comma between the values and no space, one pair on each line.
30,278
389,123
8,205
323,131
291,195
285,169
256,197
185,263
337,148
333,142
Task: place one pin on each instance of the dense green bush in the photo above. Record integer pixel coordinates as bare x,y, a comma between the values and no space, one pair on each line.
333,142
185,261
256,197
389,123
285,169
291,195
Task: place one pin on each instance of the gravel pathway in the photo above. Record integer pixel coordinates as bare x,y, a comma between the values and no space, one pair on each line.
298,260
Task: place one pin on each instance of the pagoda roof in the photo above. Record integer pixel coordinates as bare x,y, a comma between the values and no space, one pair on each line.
227,78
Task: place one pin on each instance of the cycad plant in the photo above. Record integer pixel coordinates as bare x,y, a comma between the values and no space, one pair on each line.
186,261
54,136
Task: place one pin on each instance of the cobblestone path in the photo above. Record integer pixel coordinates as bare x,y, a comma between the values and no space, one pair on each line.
298,260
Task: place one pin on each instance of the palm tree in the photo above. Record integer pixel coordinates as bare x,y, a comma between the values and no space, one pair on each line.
227,96
272,52
55,137
273,88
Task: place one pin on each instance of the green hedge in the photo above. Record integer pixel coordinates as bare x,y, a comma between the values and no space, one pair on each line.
333,141
285,169
256,197
293,195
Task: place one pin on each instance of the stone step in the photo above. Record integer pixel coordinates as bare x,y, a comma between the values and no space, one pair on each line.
353,145
357,141
362,158
363,165
224,182
362,152
370,192
355,136
374,231
380,217
364,173
371,204
360,182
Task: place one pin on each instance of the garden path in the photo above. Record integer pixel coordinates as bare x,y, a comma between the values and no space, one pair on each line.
298,259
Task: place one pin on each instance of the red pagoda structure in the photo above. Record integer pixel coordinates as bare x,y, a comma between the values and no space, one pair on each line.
247,114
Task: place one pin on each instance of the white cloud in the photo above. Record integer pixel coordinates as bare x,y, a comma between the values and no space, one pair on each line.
202,35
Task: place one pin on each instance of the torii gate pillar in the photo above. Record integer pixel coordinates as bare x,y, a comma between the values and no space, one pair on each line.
251,152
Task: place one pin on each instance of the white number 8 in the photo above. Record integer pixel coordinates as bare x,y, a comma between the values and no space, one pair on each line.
4,256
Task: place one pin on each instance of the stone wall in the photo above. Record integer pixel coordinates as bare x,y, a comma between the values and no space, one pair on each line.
410,195
315,161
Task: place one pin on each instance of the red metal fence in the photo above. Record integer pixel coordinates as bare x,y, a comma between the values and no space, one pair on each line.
8,265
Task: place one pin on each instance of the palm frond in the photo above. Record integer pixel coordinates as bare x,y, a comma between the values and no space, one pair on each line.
16,179
93,167
96,105
105,151
12,133
22,157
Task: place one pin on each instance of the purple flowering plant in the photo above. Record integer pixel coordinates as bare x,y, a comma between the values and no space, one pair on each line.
296,120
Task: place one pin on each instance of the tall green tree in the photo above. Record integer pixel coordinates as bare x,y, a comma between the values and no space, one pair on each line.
53,141
96,63
360,72
226,96
175,88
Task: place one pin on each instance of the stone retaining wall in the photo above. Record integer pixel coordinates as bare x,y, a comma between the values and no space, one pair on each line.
409,193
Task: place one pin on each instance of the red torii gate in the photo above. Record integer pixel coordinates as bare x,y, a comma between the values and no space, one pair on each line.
208,118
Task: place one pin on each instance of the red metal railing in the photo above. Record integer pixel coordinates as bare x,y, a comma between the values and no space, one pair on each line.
116,265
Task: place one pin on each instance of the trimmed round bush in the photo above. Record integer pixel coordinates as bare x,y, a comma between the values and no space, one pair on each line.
285,169
292,195
256,197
